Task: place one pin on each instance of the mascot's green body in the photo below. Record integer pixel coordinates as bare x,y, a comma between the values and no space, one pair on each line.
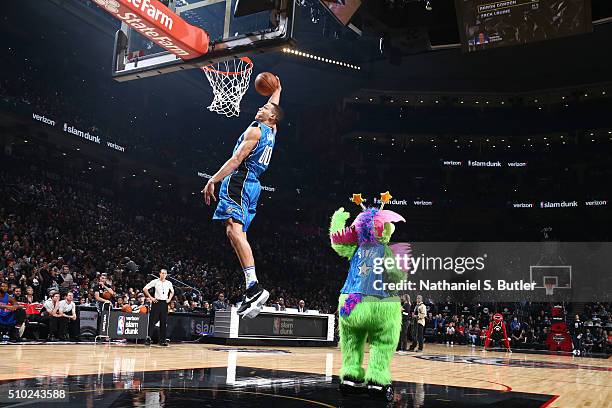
367,310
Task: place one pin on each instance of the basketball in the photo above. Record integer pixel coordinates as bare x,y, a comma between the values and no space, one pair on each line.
266,83
126,309
106,295
143,310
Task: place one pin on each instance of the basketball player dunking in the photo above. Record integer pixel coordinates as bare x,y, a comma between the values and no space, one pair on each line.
240,190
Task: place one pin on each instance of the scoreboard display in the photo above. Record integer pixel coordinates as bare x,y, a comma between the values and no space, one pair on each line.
485,24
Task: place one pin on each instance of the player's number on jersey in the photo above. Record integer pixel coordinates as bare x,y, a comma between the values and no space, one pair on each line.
266,156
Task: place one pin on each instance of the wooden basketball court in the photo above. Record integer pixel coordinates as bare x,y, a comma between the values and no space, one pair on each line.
189,374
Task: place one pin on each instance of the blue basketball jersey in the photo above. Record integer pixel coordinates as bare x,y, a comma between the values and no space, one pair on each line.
257,162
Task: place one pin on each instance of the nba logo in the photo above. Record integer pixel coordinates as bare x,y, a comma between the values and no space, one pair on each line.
120,325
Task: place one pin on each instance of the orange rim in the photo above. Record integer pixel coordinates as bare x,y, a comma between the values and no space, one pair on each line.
248,67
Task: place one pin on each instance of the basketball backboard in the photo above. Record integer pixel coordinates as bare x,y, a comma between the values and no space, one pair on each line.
553,276
136,56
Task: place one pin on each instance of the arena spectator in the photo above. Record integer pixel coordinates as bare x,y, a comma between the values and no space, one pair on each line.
529,338
8,306
51,315
102,290
19,297
29,295
588,341
302,306
515,325
450,334
119,302
221,303
543,335
473,332
576,330
67,279
67,318
280,305
140,304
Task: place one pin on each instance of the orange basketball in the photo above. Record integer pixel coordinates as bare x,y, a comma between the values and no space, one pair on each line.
143,310
266,83
126,308
106,295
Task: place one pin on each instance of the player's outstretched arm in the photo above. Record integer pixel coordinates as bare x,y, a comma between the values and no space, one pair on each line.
249,142
275,97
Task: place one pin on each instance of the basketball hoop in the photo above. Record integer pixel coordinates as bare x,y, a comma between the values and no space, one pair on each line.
229,81
550,287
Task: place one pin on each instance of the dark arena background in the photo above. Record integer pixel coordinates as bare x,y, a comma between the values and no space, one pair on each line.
484,126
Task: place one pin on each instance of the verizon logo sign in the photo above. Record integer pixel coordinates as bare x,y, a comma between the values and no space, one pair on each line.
115,146
158,23
452,163
423,203
523,205
596,203
43,119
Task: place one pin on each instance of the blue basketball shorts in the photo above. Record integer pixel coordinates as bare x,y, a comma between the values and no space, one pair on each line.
238,197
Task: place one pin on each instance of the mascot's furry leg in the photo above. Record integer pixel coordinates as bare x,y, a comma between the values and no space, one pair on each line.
380,322
383,340
352,344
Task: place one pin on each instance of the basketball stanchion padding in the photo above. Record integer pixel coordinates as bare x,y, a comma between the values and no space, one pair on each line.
229,81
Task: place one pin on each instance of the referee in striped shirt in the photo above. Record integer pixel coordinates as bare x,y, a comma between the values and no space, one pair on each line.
159,305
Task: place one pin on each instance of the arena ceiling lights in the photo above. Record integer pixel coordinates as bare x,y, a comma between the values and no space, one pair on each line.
332,61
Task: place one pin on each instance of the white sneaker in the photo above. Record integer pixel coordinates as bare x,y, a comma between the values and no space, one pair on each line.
252,312
256,306
254,299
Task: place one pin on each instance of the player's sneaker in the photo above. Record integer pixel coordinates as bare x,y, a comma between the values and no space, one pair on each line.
253,300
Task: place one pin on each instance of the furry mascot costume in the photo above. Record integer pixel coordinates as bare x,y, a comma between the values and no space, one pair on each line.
366,310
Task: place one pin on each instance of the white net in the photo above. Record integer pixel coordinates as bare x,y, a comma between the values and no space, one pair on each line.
229,81
550,288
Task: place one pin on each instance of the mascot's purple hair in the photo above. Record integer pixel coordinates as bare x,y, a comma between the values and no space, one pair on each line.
366,228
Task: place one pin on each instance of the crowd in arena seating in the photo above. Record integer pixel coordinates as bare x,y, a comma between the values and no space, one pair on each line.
528,325
58,238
